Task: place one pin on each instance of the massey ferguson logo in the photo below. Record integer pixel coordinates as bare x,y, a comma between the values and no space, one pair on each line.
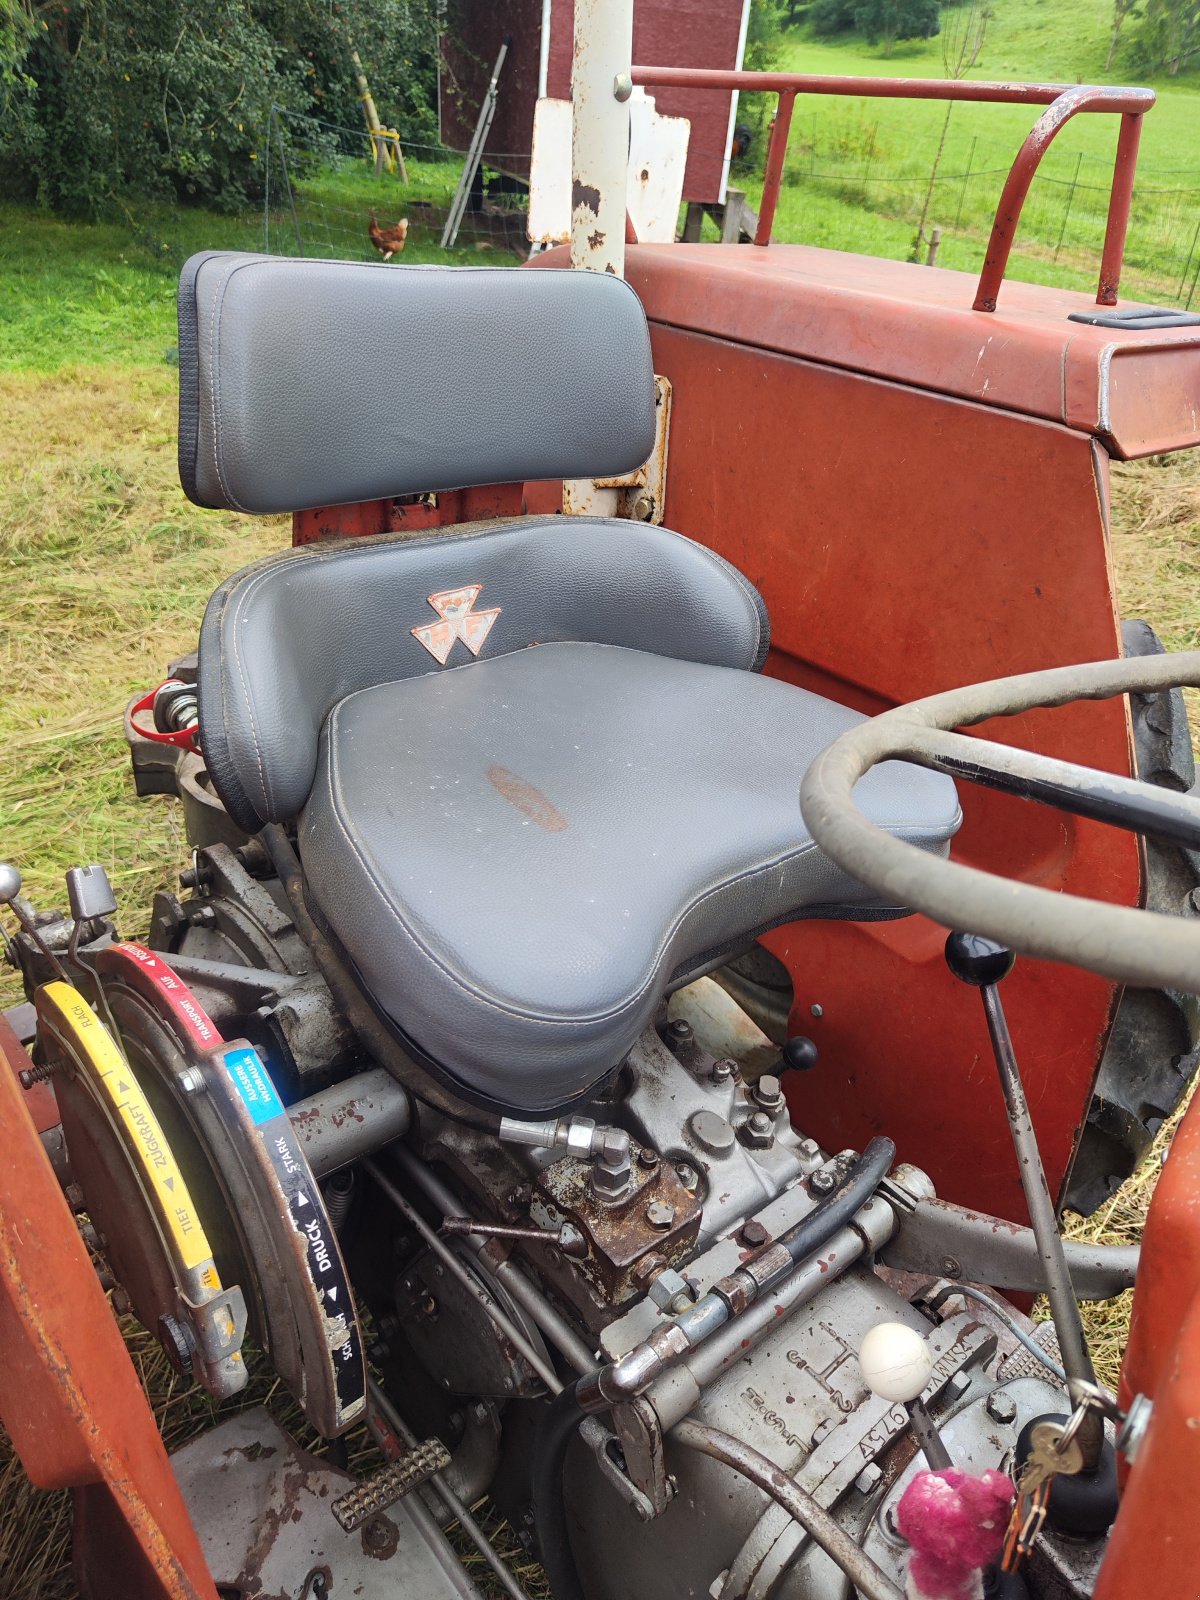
458,621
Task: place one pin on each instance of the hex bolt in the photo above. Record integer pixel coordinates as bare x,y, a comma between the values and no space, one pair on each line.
722,1071
647,1157
679,1033
754,1233
810,1150
191,1080
869,1478
622,87
659,1214
823,1181
643,507
687,1174
1001,1406
767,1092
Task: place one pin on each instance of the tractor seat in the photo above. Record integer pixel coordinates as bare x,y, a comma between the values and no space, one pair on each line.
522,855
536,776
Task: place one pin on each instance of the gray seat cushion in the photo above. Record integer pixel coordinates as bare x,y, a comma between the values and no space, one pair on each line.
519,853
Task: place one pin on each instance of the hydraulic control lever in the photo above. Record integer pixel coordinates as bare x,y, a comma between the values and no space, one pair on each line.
984,965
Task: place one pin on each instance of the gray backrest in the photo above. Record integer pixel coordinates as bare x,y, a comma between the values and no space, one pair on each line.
313,383
286,639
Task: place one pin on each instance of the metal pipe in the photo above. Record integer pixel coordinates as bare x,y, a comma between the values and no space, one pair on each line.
1068,1324
506,1273
773,175
600,133
453,1504
679,1389
456,1269
869,1579
1111,97
350,1120
925,1432
1119,203
1064,101
1016,187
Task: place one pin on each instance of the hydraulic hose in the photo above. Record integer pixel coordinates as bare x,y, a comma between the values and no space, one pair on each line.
862,1178
559,1423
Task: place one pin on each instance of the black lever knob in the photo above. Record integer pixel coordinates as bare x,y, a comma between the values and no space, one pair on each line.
978,961
799,1054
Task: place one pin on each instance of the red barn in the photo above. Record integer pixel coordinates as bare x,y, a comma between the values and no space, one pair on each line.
673,33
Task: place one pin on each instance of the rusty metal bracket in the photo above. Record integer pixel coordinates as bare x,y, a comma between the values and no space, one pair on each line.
639,495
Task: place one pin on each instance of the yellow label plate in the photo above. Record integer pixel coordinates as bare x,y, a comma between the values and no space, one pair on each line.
94,1051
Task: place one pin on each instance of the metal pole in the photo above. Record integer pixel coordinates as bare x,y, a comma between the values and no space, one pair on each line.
1188,264
456,1269
446,1494
773,176
966,176
544,49
1060,1292
1120,202
506,1273
1062,232
601,84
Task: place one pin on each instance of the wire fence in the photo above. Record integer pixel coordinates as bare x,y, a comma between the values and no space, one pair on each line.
850,182
327,192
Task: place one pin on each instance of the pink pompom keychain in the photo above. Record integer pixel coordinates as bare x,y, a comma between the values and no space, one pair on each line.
955,1524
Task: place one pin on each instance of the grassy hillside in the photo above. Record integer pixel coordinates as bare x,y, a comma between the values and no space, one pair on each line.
858,169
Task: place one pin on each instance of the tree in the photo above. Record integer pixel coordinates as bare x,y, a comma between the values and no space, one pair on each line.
890,20
171,98
962,40
1121,12
1170,35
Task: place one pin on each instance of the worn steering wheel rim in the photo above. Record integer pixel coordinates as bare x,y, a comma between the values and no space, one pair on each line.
1133,946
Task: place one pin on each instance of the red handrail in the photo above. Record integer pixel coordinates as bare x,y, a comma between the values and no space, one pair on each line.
1062,102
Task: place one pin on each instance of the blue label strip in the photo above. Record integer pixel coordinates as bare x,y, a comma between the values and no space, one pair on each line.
254,1086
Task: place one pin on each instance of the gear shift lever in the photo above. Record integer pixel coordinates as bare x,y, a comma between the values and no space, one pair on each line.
984,965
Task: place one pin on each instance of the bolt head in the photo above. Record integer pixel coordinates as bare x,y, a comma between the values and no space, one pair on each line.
722,1071
754,1233
1001,1406
767,1092
622,87
647,1157
659,1214
823,1181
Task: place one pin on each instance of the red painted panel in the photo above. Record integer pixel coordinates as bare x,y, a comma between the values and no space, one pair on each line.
906,542
69,1396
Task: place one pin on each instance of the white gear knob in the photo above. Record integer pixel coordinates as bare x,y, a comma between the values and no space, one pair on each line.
10,883
895,1361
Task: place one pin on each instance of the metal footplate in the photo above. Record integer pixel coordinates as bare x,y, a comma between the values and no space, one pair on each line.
389,1484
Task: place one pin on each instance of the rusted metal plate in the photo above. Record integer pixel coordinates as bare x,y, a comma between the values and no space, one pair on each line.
659,1217
263,1507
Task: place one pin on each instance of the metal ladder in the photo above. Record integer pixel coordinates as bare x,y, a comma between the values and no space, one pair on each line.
487,111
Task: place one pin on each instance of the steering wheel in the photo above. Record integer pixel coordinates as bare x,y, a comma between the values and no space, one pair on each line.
1145,948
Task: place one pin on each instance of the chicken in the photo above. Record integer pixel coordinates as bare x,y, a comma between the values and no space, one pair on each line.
388,241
